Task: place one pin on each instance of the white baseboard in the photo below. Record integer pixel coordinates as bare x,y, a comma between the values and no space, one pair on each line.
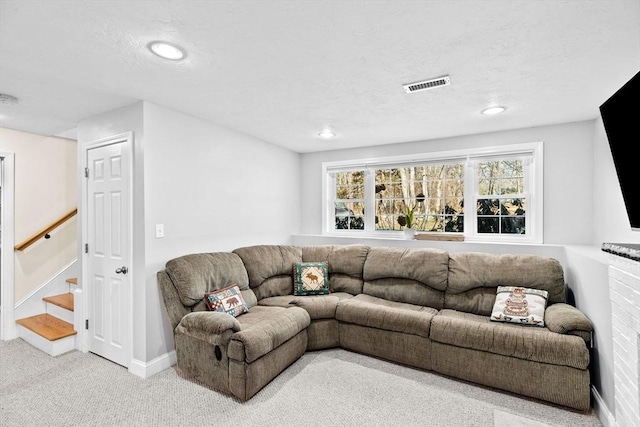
606,417
159,364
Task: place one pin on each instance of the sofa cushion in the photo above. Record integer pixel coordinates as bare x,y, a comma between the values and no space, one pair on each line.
474,277
264,329
319,307
322,309
269,268
310,278
373,312
195,275
228,300
522,306
477,332
415,276
346,264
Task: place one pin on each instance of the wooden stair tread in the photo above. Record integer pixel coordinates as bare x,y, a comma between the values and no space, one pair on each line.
62,300
73,280
48,326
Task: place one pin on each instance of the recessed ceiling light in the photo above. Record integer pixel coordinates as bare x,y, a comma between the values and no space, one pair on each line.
493,110
327,133
167,50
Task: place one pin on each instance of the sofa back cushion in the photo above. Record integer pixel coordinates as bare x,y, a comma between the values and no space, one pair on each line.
415,275
346,264
475,276
196,274
270,268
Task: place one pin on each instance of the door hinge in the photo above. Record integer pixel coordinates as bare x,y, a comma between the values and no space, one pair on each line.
86,324
86,248
86,172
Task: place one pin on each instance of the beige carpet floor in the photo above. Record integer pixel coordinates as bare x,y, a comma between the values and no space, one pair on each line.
324,388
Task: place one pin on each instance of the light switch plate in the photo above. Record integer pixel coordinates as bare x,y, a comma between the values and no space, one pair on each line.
159,231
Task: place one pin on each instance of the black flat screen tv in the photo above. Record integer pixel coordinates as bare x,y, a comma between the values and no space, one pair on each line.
621,117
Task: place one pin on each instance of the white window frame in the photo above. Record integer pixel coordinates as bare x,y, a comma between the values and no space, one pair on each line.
533,190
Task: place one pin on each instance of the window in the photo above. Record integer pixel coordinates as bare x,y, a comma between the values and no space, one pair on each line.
426,198
501,199
381,197
349,201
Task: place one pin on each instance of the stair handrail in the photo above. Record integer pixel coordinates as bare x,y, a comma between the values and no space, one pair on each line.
45,231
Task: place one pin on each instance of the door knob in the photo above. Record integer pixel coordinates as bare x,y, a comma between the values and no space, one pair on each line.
122,270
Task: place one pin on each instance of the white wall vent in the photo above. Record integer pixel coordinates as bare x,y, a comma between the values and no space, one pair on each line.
427,84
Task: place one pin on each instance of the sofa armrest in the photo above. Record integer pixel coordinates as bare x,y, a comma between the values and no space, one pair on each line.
566,319
210,326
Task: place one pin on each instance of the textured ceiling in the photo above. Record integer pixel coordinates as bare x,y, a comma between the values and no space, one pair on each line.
283,70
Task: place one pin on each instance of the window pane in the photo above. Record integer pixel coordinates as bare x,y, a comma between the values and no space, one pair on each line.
349,216
434,223
488,225
349,206
342,191
507,219
501,177
488,207
435,172
485,187
420,222
349,223
384,207
511,168
454,206
512,225
387,222
455,171
435,206
513,207
350,185
455,188
511,186
454,223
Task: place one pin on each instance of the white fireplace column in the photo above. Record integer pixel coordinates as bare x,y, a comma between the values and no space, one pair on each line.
624,291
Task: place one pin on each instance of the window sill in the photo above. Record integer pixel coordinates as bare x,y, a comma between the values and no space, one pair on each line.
448,245
440,237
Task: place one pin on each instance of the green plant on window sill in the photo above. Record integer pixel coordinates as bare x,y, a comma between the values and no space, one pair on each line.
407,219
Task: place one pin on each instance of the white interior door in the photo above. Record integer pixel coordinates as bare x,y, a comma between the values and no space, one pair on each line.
108,252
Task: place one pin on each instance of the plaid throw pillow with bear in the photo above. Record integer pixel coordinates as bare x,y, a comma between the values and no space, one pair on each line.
228,300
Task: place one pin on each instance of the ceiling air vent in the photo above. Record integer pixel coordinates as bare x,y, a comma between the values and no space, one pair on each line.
8,99
427,84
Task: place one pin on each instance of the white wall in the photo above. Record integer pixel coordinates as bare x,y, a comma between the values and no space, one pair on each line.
214,189
568,177
45,190
611,223
587,274
588,265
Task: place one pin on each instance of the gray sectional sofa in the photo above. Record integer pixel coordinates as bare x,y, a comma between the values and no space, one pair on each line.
420,307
